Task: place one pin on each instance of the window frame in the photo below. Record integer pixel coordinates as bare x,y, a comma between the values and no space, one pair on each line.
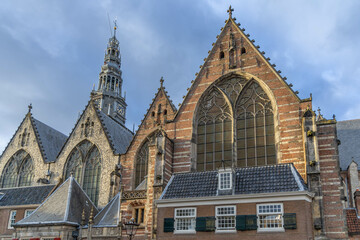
220,185
270,229
230,230
193,220
27,211
10,219
139,217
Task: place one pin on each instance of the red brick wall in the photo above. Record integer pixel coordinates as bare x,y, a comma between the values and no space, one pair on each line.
301,208
289,107
333,205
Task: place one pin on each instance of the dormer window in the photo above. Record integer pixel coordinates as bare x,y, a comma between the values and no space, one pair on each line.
225,180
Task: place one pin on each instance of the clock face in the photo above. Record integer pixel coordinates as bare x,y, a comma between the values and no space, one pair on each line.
121,110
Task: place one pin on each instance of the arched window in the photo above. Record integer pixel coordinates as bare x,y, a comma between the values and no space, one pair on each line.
141,166
26,172
84,163
214,132
19,171
235,126
255,128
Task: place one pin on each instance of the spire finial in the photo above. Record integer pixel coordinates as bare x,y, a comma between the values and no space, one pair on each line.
319,111
30,107
83,217
161,81
115,26
320,116
91,217
230,10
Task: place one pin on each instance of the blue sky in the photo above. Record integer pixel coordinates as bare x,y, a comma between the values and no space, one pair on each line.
51,52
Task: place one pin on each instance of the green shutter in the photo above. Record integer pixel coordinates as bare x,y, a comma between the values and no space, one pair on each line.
251,222
210,224
241,222
168,224
200,224
246,222
205,224
290,220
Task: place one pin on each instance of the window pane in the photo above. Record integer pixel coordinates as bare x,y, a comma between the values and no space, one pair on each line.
258,131
142,164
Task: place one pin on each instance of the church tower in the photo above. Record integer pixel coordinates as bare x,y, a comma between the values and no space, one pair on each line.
108,96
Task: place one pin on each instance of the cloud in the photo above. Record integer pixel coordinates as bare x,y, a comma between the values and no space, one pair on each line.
52,51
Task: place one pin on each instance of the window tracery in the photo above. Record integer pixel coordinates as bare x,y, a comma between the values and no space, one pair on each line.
84,164
235,126
141,166
19,171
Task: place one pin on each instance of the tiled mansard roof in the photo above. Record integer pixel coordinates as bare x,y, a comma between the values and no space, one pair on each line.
250,180
24,195
119,136
64,206
50,140
109,215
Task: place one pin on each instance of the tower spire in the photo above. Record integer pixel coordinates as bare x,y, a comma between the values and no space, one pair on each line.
109,92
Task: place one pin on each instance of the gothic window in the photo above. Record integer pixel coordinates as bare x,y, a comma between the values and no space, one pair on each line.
92,175
235,126
141,166
214,130
18,171
84,163
26,172
255,128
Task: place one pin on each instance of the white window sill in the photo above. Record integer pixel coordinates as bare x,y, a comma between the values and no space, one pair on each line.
226,231
270,230
185,232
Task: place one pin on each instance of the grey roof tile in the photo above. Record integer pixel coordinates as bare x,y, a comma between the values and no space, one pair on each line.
24,195
119,136
109,215
348,132
64,206
50,140
250,180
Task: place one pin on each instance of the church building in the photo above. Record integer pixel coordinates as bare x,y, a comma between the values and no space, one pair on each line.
243,157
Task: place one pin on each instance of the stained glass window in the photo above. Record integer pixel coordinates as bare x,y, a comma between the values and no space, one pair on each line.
214,130
141,166
18,171
255,128
235,112
26,173
84,163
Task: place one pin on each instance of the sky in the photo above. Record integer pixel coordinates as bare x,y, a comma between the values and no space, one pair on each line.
51,52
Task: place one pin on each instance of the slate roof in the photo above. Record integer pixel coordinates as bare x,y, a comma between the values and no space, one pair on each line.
50,140
250,180
118,135
348,132
24,195
109,215
353,222
63,206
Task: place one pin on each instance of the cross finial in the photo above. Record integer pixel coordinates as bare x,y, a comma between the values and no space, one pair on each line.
161,81
30,107
230,10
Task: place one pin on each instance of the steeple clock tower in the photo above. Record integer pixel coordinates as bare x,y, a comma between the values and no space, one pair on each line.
108,96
